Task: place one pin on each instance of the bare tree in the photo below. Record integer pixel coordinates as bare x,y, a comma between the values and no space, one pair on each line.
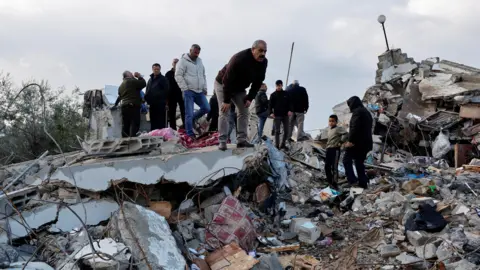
24,115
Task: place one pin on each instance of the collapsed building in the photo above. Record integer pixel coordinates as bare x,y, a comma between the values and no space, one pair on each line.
159,201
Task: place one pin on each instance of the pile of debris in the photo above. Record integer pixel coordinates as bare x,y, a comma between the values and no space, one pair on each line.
154,202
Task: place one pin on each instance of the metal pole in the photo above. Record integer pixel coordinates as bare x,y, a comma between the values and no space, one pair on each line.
386,41
385,34
289,64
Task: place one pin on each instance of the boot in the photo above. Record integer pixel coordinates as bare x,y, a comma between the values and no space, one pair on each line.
222,146
245,145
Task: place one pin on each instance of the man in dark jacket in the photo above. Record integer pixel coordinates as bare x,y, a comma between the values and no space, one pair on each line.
246,68
129,94
157,97
280,109
261,109
299,98
359,142
175,97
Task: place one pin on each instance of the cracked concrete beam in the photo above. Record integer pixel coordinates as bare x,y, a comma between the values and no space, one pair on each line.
190,167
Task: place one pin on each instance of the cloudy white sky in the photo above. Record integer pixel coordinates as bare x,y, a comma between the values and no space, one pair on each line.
89,43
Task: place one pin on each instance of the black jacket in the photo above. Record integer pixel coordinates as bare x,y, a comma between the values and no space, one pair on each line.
214,110
174,91
299,98
157,90
280,104
261,102
360,133
242,71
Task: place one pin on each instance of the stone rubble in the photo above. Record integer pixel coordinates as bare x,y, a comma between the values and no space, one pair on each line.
162,206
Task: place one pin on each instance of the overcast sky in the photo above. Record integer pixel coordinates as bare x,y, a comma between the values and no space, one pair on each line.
89,43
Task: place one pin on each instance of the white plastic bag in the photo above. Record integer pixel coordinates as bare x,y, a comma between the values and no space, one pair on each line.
441,145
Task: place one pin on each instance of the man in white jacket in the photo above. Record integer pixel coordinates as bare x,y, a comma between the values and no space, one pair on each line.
190,77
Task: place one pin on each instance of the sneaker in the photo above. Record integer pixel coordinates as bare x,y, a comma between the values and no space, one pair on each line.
222,146
245,145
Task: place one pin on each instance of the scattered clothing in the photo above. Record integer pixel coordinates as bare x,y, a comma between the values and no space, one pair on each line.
175,98
241,72
189,142
190,76
156,96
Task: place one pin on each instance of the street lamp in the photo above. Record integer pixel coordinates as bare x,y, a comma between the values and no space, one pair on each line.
381,19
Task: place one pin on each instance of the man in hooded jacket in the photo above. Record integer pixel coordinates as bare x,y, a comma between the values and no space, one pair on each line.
359,142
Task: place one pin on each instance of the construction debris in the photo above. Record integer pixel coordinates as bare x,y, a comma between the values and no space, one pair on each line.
154,202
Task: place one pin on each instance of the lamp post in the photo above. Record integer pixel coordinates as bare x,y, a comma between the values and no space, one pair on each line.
381,19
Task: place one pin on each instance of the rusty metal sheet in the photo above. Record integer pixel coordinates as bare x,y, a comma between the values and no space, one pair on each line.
470,111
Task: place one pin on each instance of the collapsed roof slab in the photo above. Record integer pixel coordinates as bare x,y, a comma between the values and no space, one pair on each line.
198,167
442,86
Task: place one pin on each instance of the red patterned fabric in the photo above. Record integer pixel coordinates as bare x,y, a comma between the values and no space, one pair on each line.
231,224
188,142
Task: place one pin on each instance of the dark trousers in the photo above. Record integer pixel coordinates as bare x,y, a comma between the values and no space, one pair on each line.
357,156
281,120
214,123
158,116
130,120
331,165
172,110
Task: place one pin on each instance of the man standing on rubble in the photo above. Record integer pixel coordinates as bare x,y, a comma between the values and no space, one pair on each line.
359,142
157,98
129,93
261,109
299,98
174,98
190,76
246,68
280,109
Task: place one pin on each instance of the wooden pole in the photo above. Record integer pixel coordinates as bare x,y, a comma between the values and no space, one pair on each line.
289,64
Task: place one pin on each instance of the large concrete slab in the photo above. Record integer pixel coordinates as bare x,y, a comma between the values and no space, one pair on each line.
442,86
198,167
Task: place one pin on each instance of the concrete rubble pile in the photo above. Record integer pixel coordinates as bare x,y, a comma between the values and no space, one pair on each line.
152,203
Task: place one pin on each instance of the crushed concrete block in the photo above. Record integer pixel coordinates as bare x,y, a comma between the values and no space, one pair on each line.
461,265
30,266
186,228
106,246
444,251
404,258
389,251
430,251
149,235
419,238
460,209
8,254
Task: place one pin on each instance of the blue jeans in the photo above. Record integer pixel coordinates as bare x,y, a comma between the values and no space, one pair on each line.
190,98
261,124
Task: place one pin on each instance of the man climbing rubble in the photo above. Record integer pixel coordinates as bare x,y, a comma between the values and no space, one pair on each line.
190,76
359,142
129,94
246,68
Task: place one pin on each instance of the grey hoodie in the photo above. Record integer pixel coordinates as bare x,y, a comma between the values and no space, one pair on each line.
190,75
